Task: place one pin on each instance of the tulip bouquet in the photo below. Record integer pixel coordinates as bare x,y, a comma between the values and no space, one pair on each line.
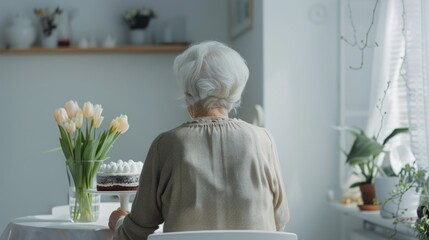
85,150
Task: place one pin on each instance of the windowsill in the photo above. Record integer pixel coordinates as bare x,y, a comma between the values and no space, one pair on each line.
373,217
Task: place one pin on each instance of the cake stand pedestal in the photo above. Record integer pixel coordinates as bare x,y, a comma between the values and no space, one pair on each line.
124,197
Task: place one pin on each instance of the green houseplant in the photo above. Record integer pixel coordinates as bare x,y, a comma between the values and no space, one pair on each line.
364,154
411,180
421,225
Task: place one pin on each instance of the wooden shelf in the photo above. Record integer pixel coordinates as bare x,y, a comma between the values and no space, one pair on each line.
119,49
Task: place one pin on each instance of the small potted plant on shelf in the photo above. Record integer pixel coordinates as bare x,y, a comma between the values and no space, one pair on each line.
49,35
364,154
137,21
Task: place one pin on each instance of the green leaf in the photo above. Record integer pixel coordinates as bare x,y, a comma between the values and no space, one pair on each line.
78,146
388,171
355,131
53,150
101,141
65,136
364,148
357,184
357,161
394,133
65,143
88,150
66,149
107,144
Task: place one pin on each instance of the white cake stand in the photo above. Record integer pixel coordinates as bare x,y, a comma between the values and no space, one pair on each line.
124,196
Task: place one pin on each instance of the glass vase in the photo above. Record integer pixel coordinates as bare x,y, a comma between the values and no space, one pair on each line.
84,206
64,30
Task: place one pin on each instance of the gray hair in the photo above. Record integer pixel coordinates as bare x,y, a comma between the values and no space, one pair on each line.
212,75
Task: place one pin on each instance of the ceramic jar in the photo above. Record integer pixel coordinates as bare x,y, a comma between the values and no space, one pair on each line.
21,32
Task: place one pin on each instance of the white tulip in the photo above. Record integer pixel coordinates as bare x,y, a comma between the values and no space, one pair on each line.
96,122
114,124
60,116
97,119
88,110
70,126
119,124
123,124
71,108
78,119
97,110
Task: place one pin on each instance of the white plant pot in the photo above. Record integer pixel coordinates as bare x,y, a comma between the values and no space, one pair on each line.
408,206
137,36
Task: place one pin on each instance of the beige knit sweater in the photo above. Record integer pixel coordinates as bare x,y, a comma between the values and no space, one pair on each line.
208,174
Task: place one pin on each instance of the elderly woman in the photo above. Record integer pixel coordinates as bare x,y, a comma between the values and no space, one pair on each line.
213,172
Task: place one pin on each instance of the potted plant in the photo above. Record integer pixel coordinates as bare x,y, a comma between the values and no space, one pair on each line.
49,35
137,21
364,155
421,225
412,180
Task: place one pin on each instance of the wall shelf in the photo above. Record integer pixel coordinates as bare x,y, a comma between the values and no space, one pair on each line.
119,49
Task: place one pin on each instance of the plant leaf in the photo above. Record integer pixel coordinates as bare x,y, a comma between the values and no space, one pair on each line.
87,152
353,130
357,184
356,161
364,148
78,147
395,132
53,150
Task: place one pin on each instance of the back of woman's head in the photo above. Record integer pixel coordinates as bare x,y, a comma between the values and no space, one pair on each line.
212,75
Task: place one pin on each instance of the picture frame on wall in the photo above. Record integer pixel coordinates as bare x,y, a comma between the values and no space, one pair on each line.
240,17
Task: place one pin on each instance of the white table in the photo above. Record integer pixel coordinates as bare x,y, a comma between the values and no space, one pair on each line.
59,226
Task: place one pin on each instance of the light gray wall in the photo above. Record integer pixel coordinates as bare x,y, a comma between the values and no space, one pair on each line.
139,85
300,51
249,45
292,53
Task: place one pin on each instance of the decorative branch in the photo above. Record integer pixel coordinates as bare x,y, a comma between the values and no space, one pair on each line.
404,36
380,109
362,48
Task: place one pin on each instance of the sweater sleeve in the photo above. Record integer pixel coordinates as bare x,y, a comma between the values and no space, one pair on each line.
281,209
145,215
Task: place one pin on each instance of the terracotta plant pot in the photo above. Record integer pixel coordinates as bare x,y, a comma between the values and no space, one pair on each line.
368,193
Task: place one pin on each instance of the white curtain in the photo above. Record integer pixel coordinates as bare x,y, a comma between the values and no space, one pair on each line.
386,68
388,105
417,77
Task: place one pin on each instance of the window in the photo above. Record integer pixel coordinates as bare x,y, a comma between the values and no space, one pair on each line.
362,98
